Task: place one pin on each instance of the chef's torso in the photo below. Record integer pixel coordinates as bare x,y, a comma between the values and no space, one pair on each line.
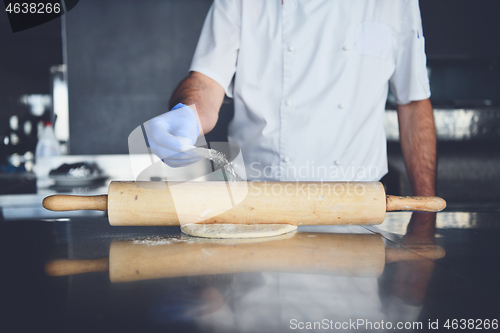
310,80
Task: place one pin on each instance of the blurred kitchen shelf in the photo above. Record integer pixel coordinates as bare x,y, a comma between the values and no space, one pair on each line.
454,124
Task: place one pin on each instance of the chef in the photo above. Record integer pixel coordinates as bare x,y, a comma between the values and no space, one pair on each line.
309,79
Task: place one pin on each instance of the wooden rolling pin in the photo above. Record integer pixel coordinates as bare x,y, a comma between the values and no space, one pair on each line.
360,255
297,203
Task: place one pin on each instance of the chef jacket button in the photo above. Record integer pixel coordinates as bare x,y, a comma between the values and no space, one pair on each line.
288,103
286,159
346,48
337,162
341,106
291,48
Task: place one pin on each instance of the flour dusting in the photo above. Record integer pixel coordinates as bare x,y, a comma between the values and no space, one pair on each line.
221,162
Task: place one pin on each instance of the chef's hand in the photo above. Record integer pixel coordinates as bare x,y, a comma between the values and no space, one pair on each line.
172,135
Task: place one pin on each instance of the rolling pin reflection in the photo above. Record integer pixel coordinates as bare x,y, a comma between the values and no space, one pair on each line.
357,255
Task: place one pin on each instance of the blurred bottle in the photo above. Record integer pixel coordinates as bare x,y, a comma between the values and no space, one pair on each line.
47,143
46,148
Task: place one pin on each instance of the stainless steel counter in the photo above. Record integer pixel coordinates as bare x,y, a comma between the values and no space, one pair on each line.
81,274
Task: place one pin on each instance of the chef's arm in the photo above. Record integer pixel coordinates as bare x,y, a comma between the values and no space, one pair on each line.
418,142
206,94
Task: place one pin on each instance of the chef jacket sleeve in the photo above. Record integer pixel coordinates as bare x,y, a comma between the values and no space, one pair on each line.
217,50
409,81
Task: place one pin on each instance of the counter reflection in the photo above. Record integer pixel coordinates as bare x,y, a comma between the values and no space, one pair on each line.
237,285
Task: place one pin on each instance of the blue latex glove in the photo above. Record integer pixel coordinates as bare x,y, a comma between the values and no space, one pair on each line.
172,135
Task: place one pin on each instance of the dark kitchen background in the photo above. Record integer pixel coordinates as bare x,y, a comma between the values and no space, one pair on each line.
124,59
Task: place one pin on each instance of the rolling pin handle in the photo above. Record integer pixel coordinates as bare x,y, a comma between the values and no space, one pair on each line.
64,267
63,203
416,204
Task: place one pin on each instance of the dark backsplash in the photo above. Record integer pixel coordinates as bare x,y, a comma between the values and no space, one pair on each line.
468,82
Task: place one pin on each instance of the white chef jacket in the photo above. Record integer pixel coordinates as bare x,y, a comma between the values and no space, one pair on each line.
310,80
284,297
